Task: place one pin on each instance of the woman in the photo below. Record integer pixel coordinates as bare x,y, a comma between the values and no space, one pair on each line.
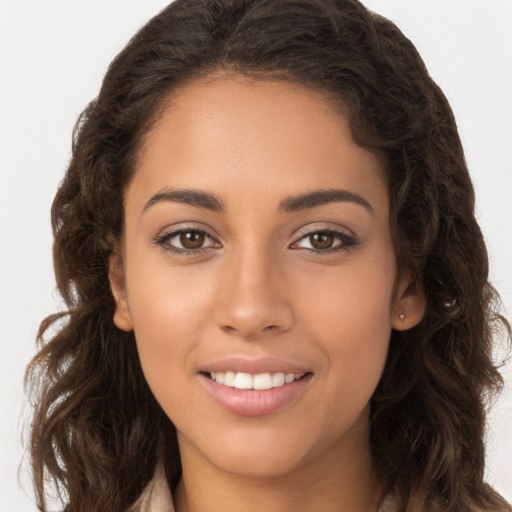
277,291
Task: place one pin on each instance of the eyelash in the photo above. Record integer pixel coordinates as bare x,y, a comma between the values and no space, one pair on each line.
347,242
162,240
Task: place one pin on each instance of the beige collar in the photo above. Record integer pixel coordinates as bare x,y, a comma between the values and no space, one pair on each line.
156,497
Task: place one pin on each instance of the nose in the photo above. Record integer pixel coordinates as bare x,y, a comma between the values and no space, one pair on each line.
252,302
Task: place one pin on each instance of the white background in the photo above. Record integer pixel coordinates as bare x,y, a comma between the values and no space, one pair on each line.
53,54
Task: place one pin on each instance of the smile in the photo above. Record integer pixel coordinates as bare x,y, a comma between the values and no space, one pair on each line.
258,394
260,381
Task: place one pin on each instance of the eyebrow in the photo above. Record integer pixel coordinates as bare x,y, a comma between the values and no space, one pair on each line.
291,204
191,197
320,197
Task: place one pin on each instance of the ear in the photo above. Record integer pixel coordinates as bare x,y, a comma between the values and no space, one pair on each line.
122,318
409,306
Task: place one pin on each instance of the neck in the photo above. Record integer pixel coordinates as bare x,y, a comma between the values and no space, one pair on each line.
339,480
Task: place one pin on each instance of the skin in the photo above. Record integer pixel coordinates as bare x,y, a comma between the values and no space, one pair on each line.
261,288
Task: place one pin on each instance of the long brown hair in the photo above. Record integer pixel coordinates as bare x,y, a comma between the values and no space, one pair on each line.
97,430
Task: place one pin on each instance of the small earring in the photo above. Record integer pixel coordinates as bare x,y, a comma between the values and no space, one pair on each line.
401,316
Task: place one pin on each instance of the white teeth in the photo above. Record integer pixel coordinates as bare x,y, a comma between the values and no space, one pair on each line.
278,379
261,381
243,381
229,379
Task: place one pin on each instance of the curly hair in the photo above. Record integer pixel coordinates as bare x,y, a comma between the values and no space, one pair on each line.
97,430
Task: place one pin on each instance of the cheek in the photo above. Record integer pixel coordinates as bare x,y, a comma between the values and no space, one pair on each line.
168,311
351,299
349,315
165,301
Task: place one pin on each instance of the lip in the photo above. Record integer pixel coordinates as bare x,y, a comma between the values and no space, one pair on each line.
251,402
254,366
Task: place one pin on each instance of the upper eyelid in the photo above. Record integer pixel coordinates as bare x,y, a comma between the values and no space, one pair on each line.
342,230
175,230
345,238
329,231
173,233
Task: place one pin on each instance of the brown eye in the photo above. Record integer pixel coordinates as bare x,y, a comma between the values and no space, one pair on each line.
321,240
325,241
192,239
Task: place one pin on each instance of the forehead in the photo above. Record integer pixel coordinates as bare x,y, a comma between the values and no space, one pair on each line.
273,136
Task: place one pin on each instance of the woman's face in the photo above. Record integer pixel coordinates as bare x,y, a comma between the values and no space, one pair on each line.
257,242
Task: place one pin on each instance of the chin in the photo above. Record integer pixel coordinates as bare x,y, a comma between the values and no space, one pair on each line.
258,463
260,451
270,448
